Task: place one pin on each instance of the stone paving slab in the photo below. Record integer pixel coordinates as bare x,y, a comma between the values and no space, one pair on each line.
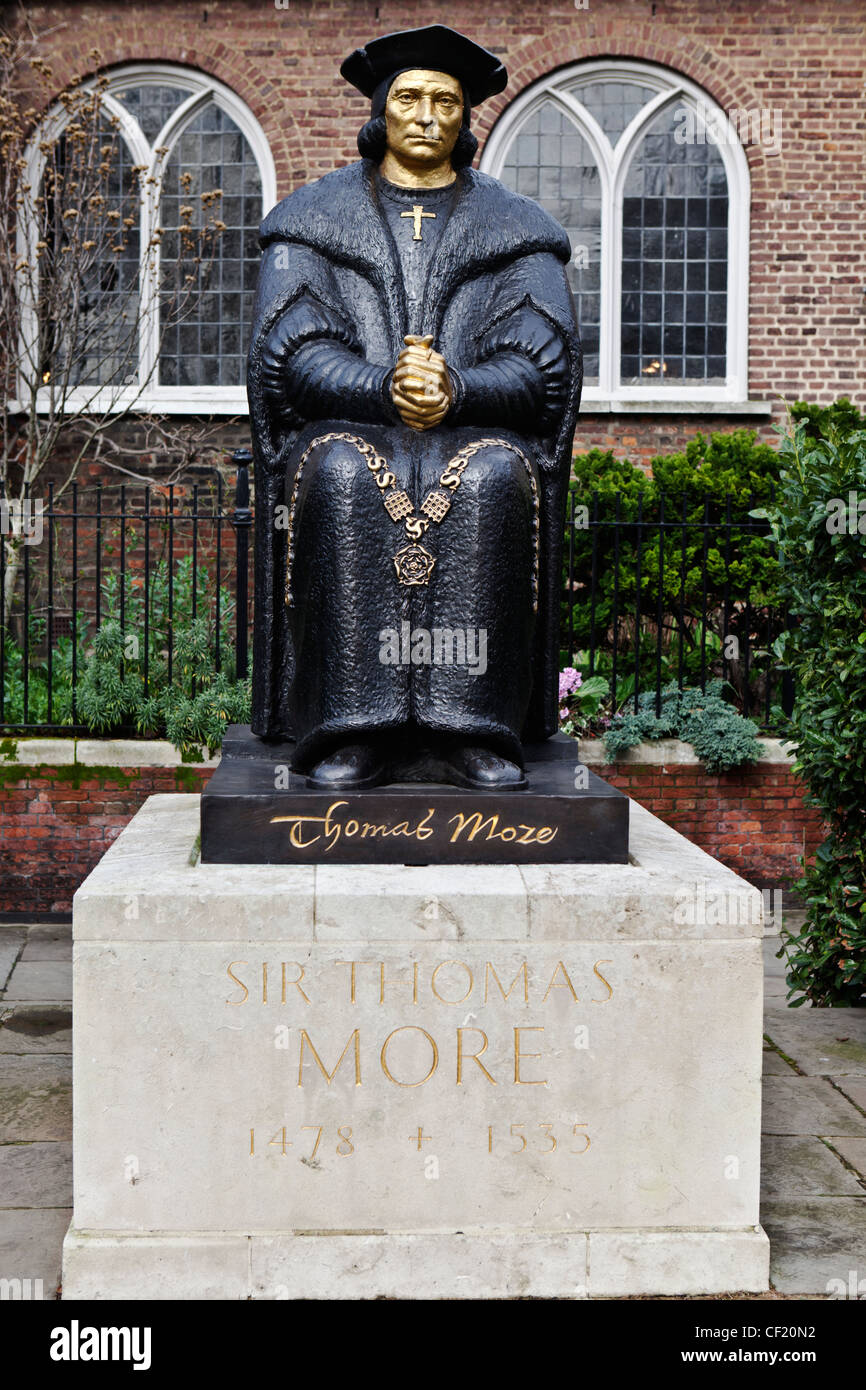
31,1244
814,1241
36,1098
854,1090
801,1166
49,931
822,1042
36,1028
853,1151
11,941
36,1175
40,981
53,944
773,968
808,1105
774,1065
775,994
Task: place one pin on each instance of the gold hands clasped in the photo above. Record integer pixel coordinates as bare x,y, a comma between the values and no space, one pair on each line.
421,389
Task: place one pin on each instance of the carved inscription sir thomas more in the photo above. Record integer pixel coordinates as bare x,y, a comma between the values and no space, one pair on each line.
307,830
450,983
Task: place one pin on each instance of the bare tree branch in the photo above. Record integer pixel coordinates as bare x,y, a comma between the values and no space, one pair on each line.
76,279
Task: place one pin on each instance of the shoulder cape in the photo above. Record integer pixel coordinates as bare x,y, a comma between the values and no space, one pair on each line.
337,215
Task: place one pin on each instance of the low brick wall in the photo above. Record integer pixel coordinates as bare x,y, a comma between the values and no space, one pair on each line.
753,821
62,803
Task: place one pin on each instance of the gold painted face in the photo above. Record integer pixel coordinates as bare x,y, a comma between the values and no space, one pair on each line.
423,114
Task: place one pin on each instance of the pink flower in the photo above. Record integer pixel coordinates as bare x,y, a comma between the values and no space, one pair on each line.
564,713
569,681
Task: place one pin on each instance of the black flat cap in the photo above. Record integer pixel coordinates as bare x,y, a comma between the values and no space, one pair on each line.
436,48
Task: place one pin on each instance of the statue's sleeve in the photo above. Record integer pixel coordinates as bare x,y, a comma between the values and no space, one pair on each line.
313,369
522,377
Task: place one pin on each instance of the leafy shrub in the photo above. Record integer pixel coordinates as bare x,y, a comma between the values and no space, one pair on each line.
729,567
720,736
191,710
823,575
822,421
188,700
35,710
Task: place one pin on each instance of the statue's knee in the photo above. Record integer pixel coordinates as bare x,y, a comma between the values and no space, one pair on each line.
336,467
497,472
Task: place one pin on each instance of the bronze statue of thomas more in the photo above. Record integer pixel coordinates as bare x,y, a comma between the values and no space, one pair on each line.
414,376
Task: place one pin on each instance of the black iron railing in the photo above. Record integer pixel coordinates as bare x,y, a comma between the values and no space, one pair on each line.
155,559
682,591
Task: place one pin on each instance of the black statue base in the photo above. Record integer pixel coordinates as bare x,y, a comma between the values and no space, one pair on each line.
255,810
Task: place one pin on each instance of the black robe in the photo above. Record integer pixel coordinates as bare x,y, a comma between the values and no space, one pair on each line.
329,323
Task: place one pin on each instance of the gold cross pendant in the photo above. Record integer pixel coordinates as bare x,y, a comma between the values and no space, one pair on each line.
416,214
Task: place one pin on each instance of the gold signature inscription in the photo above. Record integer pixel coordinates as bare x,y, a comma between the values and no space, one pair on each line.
307,830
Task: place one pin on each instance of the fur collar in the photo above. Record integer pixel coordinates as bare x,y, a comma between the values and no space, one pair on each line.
489,225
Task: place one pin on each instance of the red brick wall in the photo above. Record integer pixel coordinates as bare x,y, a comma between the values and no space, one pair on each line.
752,820
56,823
802,57
642,438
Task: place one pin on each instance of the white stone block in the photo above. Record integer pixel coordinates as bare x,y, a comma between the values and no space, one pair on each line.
155,1267
421,1058
421,903
681,1262
466,1265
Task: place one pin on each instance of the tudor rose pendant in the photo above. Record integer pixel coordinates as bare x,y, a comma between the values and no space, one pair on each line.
414,564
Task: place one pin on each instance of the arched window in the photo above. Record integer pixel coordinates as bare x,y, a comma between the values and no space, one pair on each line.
176,134
641,169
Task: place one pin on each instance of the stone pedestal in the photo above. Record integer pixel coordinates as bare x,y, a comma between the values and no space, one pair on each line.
343,1081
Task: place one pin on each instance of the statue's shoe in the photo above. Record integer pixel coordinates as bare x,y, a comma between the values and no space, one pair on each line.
482,769
349,768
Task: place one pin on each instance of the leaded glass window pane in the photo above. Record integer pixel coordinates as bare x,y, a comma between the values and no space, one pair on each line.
205,345
90,289
151,104
674,260
613,104
550,161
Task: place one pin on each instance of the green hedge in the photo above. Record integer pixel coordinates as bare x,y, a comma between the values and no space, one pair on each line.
675,571
820,528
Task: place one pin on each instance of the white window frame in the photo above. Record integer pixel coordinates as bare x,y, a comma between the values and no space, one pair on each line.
670,88
172,400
